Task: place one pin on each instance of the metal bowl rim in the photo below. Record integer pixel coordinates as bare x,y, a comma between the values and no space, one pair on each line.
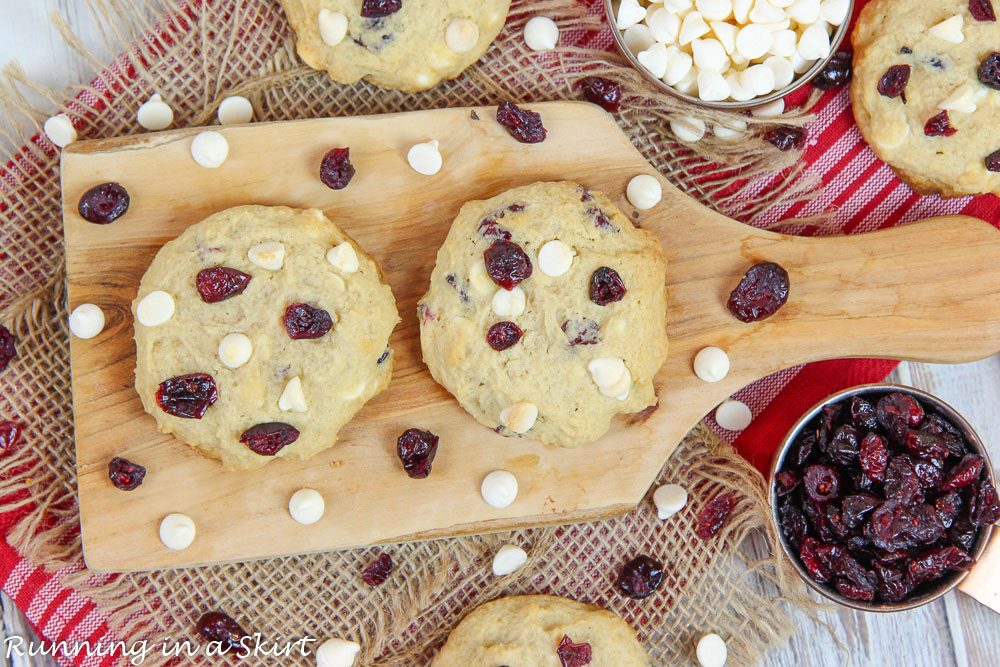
952,580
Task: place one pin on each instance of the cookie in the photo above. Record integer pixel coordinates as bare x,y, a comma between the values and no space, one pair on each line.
259,333
546,313
541,631
408,45
937,131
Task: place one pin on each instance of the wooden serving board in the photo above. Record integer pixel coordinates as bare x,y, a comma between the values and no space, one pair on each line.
923,292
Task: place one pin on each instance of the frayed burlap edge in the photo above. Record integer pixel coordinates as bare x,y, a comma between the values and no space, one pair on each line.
40,484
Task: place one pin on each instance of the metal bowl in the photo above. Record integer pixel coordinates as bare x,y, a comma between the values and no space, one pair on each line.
941,586
611,10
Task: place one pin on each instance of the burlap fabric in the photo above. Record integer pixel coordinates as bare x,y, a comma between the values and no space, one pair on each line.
196,53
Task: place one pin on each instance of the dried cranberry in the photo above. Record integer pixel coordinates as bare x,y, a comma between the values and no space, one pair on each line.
874,456
985,507
336,170
817,518
901,481
7,348
863,414
792,523
713,516
856,506
303,320
982,10
601,220
947,506
950,436
573,655
10,434
837,72
822,482
522,124
376,9
507,264
934,563
926,445
503,335
761,292
417,449
187,396
220,283
835,520
582,332
924,524
963,533
853,590
786,137
600,91
640,577
891,583
126,475
964,473
786,481
807,553
606,286
989,71
804,450
993,161
939,125
928,474
843,446
216,626
269,438
893,82
898,411
104,203
378,570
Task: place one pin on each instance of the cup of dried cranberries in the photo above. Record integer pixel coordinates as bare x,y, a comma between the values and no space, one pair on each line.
883,497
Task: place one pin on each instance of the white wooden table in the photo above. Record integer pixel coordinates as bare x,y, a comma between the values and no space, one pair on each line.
956,630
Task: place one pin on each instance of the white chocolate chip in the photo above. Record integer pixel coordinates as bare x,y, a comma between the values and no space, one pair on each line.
764,12
741,10
619,389
733,415
804,12
235,110
709,54
210,149
678,6
727,133
726,34
177,531
509,303
508,560
692,27
630,12
293,399
834,12
306,506
663,25
740,93
689,84
891,133
711,651
679,64
688,128
712,86
155,114
950,30
86,321
654,59
644,192
332,27
814,44
962,100
606,371
715,10
342,257
479,279
758,79
711,364
783,72
783,4
639,37
769,110
499,489
337,653
462,35
669,499
351,394
235,349
60,131
519,417
799,63
555,258
541,33
269,255
784,43
155,309
753,41
425,158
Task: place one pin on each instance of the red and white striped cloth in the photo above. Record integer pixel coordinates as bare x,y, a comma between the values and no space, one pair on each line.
865,196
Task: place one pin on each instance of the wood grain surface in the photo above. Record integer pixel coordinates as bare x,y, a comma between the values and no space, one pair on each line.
953,632
883,294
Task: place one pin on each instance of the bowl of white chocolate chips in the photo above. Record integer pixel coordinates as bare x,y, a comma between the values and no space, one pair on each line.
729,54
